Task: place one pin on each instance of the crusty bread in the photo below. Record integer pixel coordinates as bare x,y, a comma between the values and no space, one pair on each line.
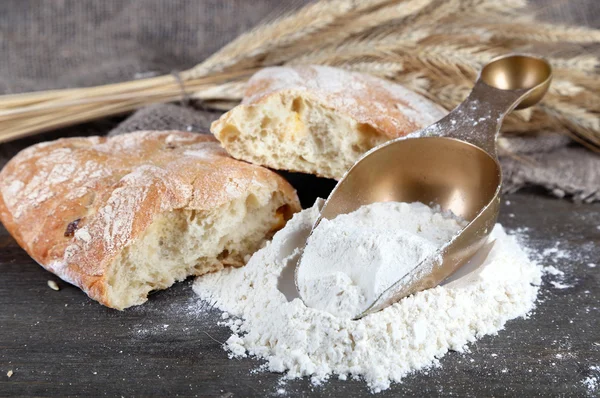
122,216
318,119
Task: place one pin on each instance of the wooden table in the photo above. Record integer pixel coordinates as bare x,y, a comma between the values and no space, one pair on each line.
62,343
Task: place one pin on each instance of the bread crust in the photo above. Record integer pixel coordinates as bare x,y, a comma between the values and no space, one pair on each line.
74,204
392,110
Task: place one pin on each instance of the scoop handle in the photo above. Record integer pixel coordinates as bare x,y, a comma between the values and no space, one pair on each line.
505,83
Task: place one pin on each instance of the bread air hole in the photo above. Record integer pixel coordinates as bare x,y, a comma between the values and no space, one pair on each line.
264,123
252,202
223,255
285,211
229,133
367,131
297,105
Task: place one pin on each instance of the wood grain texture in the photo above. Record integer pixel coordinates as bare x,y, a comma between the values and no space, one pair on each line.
63,343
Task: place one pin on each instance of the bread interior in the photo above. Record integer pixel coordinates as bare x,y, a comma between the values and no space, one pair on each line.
188,242
291,131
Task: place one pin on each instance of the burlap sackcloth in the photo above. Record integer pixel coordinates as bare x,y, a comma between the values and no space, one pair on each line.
547,160
73,43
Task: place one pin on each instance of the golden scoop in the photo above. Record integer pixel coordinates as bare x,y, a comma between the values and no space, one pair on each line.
452,163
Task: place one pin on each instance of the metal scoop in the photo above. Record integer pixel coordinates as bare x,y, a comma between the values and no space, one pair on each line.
452,163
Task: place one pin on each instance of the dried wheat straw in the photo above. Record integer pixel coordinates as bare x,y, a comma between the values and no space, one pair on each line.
434,47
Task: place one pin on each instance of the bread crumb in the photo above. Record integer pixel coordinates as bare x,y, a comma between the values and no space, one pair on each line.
9,373
53,285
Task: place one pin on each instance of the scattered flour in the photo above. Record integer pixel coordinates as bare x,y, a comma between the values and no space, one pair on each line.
350,260
380,348
592,382
554,255
560,285
552,270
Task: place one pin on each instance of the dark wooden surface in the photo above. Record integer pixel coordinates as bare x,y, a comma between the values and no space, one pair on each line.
61,343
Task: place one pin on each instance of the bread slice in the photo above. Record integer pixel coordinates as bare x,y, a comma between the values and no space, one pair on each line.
318,119
122,216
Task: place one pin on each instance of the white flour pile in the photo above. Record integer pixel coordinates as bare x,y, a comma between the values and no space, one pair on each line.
350,260
380,348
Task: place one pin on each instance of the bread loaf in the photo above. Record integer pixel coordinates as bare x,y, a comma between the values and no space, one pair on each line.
318,119
122,216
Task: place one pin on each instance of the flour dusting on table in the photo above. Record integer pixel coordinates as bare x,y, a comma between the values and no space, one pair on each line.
380,348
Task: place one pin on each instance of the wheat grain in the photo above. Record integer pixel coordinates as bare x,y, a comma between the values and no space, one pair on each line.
583,123
396,12
386,70
434,47
543,33
282,32
565,88
581,63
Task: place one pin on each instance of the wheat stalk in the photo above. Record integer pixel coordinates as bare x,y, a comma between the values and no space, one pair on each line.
542,32
434,47
395,12
580,63
285,31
